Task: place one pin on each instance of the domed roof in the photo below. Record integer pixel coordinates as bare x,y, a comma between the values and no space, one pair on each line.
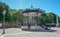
32,10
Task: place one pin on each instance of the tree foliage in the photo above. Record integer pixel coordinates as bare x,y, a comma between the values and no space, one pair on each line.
6,7
46,18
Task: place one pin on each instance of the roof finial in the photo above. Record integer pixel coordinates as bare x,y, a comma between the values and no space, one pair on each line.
31,6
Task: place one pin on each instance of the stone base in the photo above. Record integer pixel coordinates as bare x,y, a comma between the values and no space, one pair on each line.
31,27
12,30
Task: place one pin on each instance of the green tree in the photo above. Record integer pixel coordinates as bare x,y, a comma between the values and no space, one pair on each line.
17,16
50,18
6,7
46,18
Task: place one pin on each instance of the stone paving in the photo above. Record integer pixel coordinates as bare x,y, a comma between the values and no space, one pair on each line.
14,32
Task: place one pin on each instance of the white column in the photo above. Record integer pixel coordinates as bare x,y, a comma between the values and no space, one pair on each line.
57,21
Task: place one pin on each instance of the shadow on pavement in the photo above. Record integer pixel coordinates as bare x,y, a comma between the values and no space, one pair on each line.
38,30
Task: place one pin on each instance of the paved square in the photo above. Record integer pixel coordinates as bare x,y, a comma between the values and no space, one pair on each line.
54,32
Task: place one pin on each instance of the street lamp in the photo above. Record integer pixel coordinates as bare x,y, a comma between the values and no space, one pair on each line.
4,12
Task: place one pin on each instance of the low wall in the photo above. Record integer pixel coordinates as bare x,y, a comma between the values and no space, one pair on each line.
31,27
24,27
12,30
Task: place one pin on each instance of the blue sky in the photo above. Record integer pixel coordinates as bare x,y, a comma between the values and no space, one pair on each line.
47,5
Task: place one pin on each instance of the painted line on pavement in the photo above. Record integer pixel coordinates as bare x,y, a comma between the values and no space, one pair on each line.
17,33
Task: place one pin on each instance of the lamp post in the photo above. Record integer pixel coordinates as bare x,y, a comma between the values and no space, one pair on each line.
4,12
